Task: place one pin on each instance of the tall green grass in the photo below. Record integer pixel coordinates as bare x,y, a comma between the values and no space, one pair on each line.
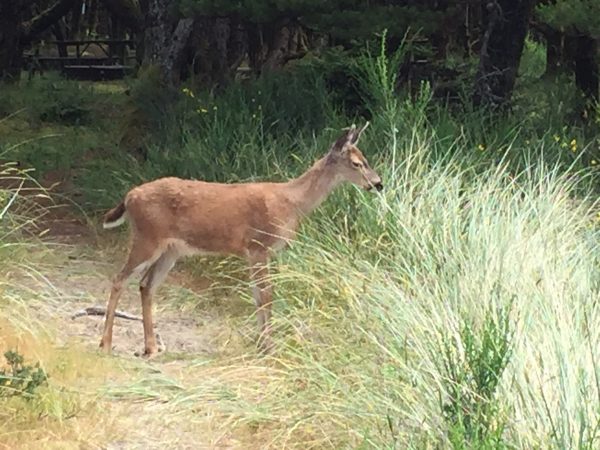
456,309
461,312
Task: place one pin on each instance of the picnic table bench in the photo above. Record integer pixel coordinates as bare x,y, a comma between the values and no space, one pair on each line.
112,63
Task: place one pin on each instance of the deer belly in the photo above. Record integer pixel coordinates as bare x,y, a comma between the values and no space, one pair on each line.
184,248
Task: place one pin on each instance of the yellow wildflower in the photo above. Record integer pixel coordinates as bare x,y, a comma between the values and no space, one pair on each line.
188,92
593,162
556,138
574,145
481,147
202,110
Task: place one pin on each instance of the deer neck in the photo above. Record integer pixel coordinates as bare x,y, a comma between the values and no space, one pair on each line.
311,188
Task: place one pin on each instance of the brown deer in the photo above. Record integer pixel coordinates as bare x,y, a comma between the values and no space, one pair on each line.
171,218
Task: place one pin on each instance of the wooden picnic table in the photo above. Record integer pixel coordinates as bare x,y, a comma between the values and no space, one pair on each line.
113,64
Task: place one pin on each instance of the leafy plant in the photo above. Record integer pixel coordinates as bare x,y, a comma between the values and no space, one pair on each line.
472,370
20,379
55,100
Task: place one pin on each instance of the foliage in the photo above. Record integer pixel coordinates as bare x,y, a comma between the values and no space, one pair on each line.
19,378
345,20
572,16
473,370
378,77
50,99
533,61
149,113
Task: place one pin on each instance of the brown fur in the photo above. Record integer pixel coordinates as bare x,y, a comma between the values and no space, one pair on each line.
171,218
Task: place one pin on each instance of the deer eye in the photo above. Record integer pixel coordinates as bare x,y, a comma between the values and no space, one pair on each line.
356,164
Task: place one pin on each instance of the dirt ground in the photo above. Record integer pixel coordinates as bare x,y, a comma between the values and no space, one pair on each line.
200,325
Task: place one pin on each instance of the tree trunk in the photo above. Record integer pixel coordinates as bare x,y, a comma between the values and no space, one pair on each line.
221,31
128,12
45,19
197,51
237,46
279,36
473,23
505,23
162,47
10,40
256,47
285,44
216,48
173,57
554,52
75,31
586,67
271,46
117,51
59,31
92,18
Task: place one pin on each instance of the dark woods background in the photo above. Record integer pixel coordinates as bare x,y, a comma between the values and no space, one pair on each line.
211,40
213,85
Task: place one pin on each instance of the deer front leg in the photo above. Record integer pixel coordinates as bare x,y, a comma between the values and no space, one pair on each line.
263,297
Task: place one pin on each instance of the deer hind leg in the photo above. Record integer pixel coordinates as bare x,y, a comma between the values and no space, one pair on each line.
153,278
263,297
141,256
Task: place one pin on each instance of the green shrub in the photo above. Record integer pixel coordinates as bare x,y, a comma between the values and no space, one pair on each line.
533,60
52,99
20,379
472,370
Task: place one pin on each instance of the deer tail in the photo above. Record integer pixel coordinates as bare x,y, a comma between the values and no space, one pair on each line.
115,216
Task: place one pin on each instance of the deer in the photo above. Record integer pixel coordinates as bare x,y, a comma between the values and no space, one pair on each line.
171,218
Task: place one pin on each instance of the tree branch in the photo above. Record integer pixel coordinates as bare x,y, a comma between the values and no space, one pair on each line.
101,311
45,19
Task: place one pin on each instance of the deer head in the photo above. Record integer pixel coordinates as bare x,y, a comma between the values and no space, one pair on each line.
350,163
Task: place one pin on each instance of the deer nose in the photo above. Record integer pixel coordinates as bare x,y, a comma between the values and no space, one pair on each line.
379,186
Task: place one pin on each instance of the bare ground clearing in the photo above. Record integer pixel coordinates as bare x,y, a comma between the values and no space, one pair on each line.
172,401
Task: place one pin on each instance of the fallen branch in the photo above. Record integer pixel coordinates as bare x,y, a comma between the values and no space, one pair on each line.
101,311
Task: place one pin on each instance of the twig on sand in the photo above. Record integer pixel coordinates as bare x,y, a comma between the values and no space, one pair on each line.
101,311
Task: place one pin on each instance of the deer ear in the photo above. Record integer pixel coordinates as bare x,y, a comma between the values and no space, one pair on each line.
348,137
357,134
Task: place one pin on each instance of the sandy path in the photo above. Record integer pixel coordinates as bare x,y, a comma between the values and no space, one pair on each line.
197,324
